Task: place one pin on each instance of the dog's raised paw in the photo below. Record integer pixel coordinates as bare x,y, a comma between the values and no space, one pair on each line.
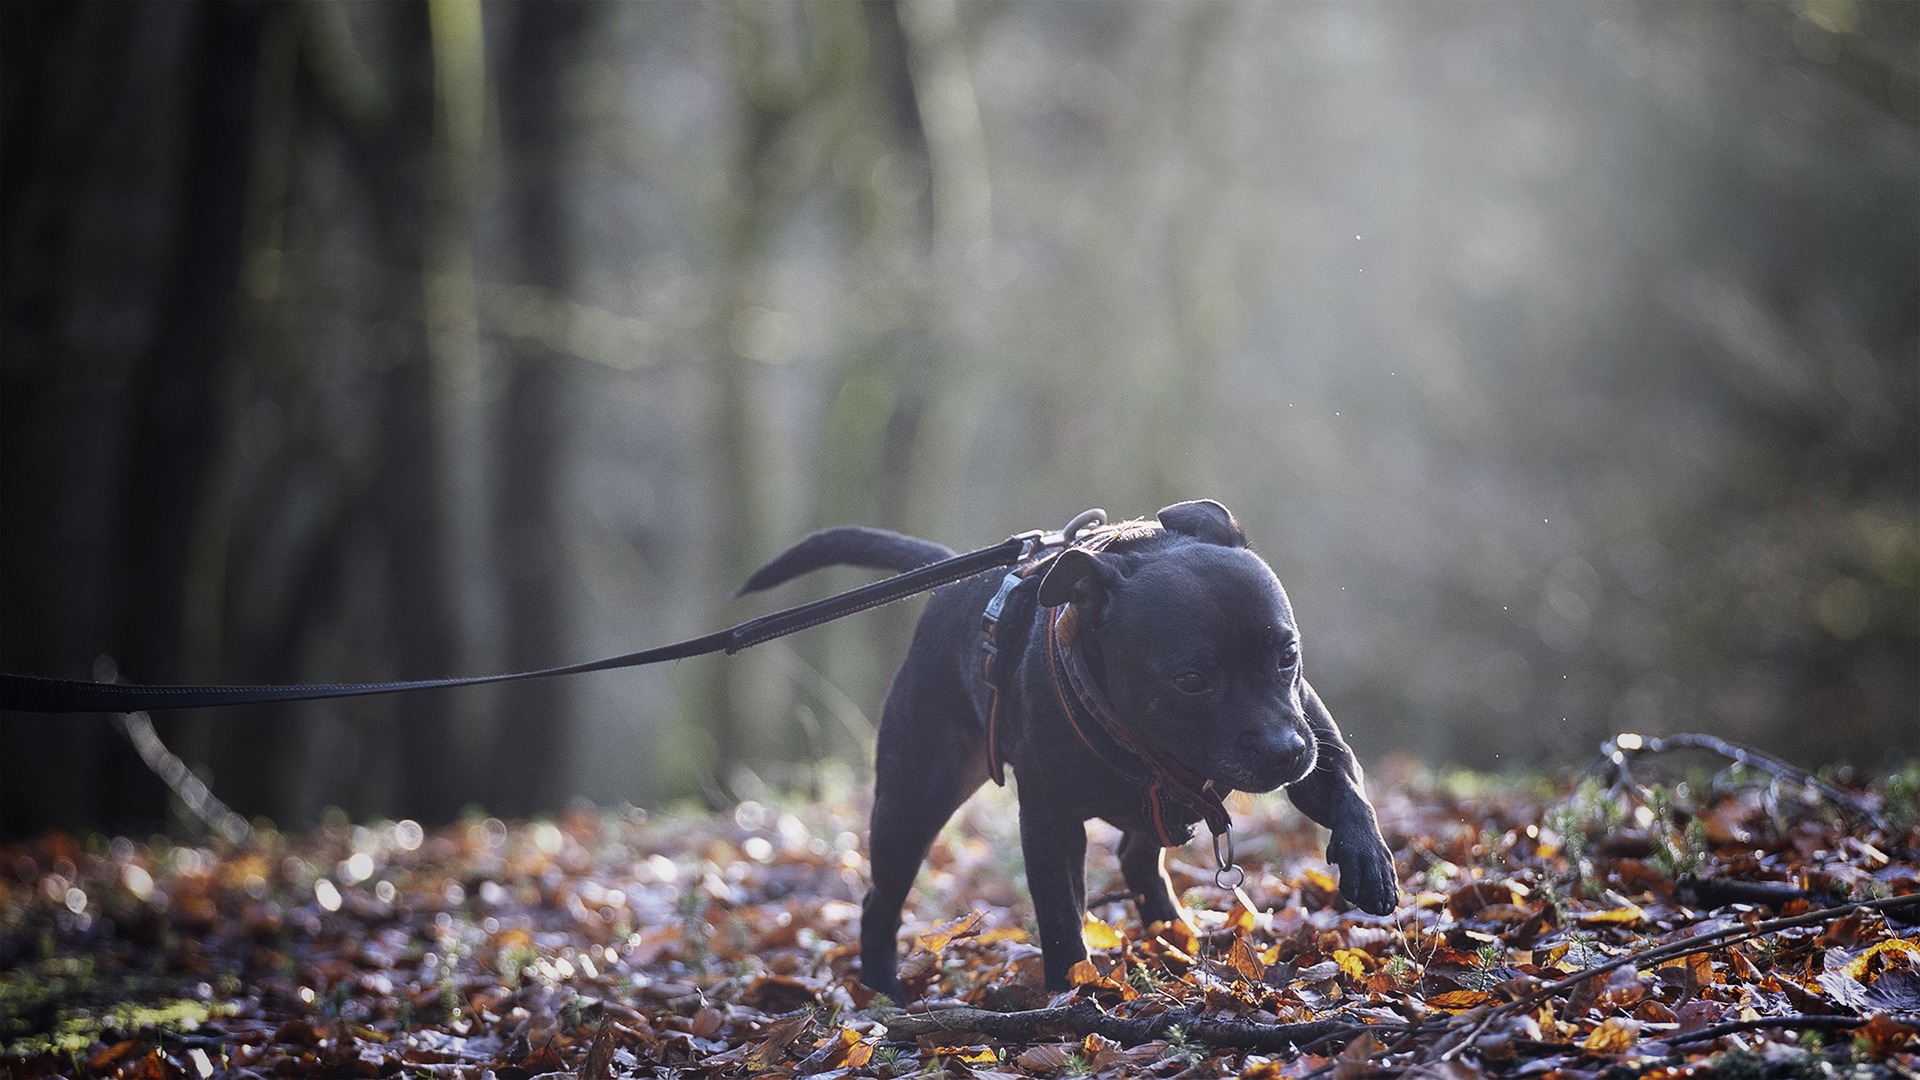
1367,877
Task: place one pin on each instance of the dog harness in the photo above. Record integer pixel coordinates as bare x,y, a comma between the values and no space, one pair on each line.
1086,706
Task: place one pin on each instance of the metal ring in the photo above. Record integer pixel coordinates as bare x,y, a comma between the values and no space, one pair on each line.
1226,863
1082,520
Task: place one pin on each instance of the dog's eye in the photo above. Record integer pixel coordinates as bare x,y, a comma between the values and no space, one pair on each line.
1191,682
1289,656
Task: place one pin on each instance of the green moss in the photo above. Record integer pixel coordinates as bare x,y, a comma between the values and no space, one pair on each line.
63,1004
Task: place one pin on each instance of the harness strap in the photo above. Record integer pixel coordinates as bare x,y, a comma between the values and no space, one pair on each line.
29,693
1078,694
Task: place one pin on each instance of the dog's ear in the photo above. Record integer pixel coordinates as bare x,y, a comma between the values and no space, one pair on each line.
1204,519
1078,577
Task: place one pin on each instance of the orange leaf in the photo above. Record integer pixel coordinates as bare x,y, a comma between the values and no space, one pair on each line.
1885,1036
1863,967
1241,959
1459,1000
1352,961
937,939
1098,935
970,1055
1622,916
1615,1035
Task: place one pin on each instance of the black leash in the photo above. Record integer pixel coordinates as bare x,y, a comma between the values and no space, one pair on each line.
31,693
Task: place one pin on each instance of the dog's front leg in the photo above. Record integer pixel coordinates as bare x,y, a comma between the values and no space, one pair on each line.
1143,865
1054,844
1331,796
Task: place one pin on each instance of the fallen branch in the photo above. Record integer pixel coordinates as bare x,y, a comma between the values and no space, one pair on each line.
1619,749
1758,1023
193,793
1085,1018
1466,1032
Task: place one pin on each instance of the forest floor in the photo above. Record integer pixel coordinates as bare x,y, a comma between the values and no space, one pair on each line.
1674,921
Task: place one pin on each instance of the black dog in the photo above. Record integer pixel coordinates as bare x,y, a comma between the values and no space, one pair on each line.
1137,676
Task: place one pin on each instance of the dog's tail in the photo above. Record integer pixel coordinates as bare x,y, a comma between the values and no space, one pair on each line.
847,545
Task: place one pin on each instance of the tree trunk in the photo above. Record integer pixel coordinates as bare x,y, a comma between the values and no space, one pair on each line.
534,734
174,393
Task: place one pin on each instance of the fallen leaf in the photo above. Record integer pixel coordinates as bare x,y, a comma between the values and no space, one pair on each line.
1458,1000
1614,1035
1884,1036
1628,914
1046,1057
780,1034
936,940
1099,935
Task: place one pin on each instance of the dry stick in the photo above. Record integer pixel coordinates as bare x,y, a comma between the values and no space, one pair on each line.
1734,1027
1647,957
1086,1018
1616,752
192,791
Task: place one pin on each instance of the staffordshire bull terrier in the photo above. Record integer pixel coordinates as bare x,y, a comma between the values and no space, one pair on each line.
1137,674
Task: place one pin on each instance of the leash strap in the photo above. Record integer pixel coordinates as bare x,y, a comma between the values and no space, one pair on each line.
1044,547
29,693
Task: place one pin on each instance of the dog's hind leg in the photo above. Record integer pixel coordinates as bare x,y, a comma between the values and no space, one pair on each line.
926,767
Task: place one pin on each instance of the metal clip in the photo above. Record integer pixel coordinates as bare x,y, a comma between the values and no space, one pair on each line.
1228,875
1039,540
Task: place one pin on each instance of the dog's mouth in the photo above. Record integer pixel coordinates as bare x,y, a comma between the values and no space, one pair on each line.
1263,769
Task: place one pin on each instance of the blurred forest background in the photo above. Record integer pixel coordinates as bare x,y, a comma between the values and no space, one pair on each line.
1564,360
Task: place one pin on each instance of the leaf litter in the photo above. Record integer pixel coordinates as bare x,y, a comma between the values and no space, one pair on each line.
1726,924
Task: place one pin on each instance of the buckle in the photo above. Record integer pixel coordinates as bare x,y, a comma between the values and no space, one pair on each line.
999,602
1034,541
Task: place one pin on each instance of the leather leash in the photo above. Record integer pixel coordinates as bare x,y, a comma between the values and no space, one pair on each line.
35,694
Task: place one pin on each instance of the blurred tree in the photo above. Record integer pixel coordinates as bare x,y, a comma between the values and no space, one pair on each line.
535,730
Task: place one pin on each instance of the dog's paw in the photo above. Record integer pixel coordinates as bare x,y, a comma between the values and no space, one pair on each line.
1367,876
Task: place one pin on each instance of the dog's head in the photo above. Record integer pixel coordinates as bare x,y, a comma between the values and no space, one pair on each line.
1195,642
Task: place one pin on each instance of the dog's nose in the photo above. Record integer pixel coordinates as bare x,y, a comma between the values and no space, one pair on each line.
1282,748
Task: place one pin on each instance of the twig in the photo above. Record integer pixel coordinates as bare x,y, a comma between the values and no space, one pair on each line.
1820,1023
192,791
1086,1018
1617,750
1466,1033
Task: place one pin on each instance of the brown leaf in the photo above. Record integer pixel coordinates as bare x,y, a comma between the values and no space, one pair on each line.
1355,1060
936,940
1099,1051
1243,962
1885,1036
545,1058
101,1059
1459,1000
1046,1057
707,1022
1615,1035
1628,914
1472,897
780,1034
844,1049
978,1054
